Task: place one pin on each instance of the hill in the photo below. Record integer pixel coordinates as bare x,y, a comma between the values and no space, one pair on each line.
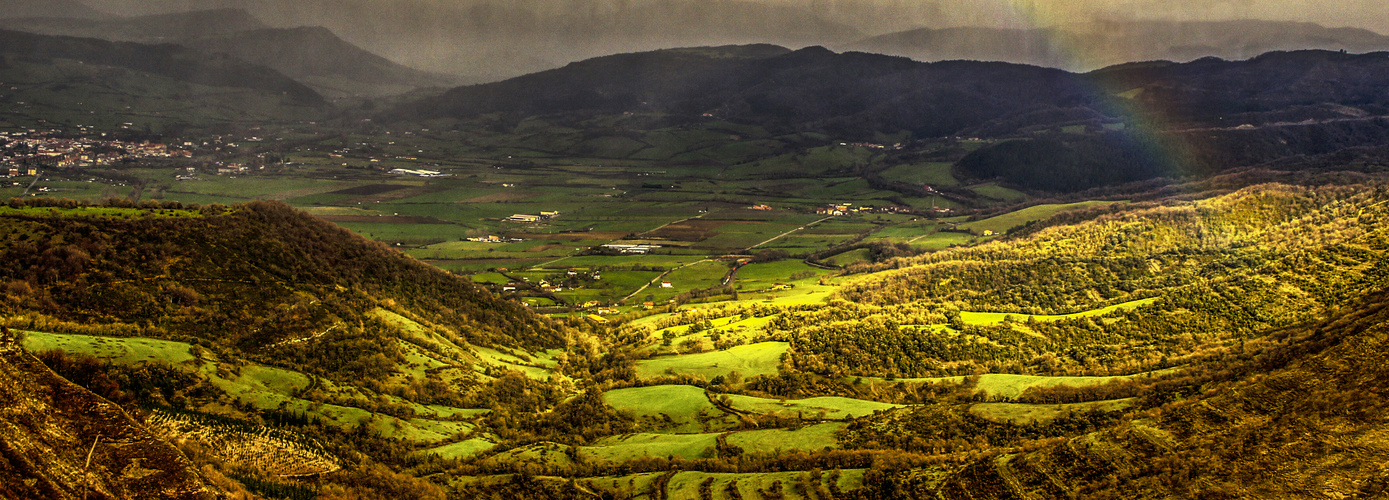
1089,46
1295,420
63,442
311,55
852,95
1064,131
59,8
318,58
171,61
161,28
219,327
257,276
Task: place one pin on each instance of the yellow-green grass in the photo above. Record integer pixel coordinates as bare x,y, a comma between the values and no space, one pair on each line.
849,257
493,278
766,274
262,387
125,351
417,360
827,407
748,360
540,366
808,438
97,212
339,211
1010,220
632,446
672,408
695,446
693,277
462,449
805,292
940,240
734,326
999,192
544,454
990,318
1011,386
1023,414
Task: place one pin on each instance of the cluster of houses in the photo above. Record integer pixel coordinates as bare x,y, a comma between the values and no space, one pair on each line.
21,149
631,249
871,145
531,218
849,208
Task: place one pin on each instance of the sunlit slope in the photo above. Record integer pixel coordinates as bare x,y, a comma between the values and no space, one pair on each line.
261,282
1191,275
1302,419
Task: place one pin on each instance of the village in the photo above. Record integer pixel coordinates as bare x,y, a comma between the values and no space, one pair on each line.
23,153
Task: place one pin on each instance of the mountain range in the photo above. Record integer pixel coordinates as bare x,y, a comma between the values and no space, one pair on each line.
311,55
1090,46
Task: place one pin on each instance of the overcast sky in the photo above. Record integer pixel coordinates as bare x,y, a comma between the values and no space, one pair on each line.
499,38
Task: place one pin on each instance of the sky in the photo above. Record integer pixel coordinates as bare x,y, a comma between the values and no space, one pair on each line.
491,39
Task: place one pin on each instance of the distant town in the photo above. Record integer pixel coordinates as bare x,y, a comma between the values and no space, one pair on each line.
24,153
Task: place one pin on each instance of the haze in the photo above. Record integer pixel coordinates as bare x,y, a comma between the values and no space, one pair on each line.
492,39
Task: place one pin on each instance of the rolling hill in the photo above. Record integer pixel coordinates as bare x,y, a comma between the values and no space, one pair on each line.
171,61
852,94
48,426
58,8
311,55
1089,46
161,28
318,58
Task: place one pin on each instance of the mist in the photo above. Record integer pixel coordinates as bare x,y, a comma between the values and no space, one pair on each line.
486,40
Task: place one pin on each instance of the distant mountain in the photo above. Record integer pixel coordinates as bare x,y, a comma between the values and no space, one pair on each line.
852,94
1198,117
48,8
144,29
172,61
1089,46
1037,47
487,40
858,94
317,57
313,55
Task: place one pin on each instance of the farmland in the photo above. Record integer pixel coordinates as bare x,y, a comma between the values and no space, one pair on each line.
544,197
686,252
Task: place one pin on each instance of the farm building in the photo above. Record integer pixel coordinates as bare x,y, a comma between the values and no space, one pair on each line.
418,173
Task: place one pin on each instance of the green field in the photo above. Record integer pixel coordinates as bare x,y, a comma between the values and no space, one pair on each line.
830,408
988,318
747,360
1028,414
668,408
266,388
1010,220
1010,386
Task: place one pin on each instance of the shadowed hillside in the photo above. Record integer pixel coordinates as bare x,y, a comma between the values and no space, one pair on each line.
172,61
